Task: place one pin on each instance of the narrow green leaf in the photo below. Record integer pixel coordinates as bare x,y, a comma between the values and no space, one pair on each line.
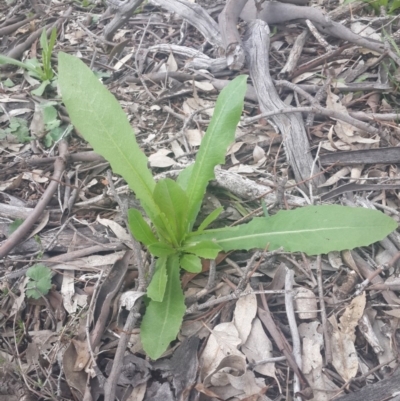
210,218
43,40
162,320
139,228
9,60
204,249
156,288
173,202
220,134
312,229
52,40
97,115
161,249
190,263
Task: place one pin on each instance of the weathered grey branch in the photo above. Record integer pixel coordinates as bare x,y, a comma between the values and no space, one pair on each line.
196,16
231,41
291,126
124,12
277,13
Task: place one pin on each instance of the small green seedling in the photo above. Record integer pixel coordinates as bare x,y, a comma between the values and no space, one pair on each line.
39,283
14,225
173,206
17,128
390,6
40,70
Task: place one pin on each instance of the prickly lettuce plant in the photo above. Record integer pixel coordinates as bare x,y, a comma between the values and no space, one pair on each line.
172,206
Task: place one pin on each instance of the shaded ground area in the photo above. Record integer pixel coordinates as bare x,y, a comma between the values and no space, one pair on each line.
339,144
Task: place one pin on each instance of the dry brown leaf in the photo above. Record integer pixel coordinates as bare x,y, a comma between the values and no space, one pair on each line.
305,303
223,341
68,291
333,179
160,159
194,136
312,361
116,228
383,332
259,347
335,259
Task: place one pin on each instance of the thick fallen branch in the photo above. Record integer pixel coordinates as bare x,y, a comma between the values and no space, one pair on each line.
290,126
124,12
25,227
17,51
318,110
277,13
235,56
196,16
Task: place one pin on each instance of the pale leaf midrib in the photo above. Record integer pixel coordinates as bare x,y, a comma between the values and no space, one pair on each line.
285,233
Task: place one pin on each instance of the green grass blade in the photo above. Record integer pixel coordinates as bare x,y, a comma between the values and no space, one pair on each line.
162,320
99,118
9,60
220,134
313,230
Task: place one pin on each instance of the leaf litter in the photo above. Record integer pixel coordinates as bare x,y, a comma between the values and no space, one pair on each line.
224,351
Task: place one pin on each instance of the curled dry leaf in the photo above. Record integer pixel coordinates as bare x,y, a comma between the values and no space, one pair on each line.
383,332
258,347
305,303
117,229
160,159
245,312
312,361
342,338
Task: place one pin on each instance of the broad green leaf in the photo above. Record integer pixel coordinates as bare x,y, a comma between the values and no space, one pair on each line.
97,115
164,230
204,249
220,134
210,218
139,228
162,320
41,88
184,177
173,202
190,263
40,281
161,249
395,4
156,288
312,229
